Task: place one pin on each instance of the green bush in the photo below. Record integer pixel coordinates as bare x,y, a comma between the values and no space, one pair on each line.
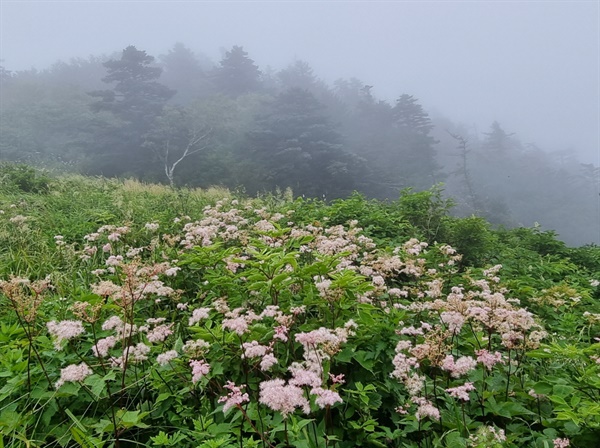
23,178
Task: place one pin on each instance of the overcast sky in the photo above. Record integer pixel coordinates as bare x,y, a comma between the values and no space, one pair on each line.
532,65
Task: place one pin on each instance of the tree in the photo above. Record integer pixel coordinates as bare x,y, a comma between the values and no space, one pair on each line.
136,100
299,74
182,71
497,140
414,157
396,141
136,97
42,123
296,146
237,74
176,136
5,75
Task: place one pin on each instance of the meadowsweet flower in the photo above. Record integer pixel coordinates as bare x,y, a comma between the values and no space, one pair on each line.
254,349
411,331
301,376
112,323
461,366
106,288
453,320
18,219
297,310
278,396
320,336
403,345
151,226
159,333
378,280
326,397
235,397
403,365
414,384
195,349
114,237
103,346
511,339
533,394
237,324
64,331
114,260
138,352
134,252
171,272
268,361
489,359
435,288
322,285
270,311
73,373
425,409
281,333
594,283
461,392
153,287
199,369
164,358
337,379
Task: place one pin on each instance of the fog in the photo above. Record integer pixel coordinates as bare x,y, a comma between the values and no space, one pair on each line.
532,66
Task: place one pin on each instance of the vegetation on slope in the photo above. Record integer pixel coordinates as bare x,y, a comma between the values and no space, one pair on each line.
141,315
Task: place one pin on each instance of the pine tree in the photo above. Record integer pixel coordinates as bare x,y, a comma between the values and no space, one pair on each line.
182,71
137,97
237,74
414,156
136,100
296,146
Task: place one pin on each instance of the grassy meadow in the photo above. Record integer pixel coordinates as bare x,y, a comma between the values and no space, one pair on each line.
136,315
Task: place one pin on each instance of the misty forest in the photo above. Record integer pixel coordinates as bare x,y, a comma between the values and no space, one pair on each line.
183,120
204,254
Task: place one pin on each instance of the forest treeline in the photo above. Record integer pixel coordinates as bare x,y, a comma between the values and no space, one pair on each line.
182,119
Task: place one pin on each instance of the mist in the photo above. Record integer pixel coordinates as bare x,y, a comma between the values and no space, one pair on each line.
525,74
533,66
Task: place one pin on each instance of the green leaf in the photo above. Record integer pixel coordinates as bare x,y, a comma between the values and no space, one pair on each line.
130,419
562,390
542,388
364,359
96,384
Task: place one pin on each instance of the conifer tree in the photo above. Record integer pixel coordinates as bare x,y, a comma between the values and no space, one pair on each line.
238,74
136,100
296,146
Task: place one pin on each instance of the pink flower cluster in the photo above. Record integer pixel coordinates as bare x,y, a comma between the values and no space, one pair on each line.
164,358
235,397
489,360
102,346
199,369
285,398
133,354
461,366
73,373
255,350
64,330
461,392
197,315
425,408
